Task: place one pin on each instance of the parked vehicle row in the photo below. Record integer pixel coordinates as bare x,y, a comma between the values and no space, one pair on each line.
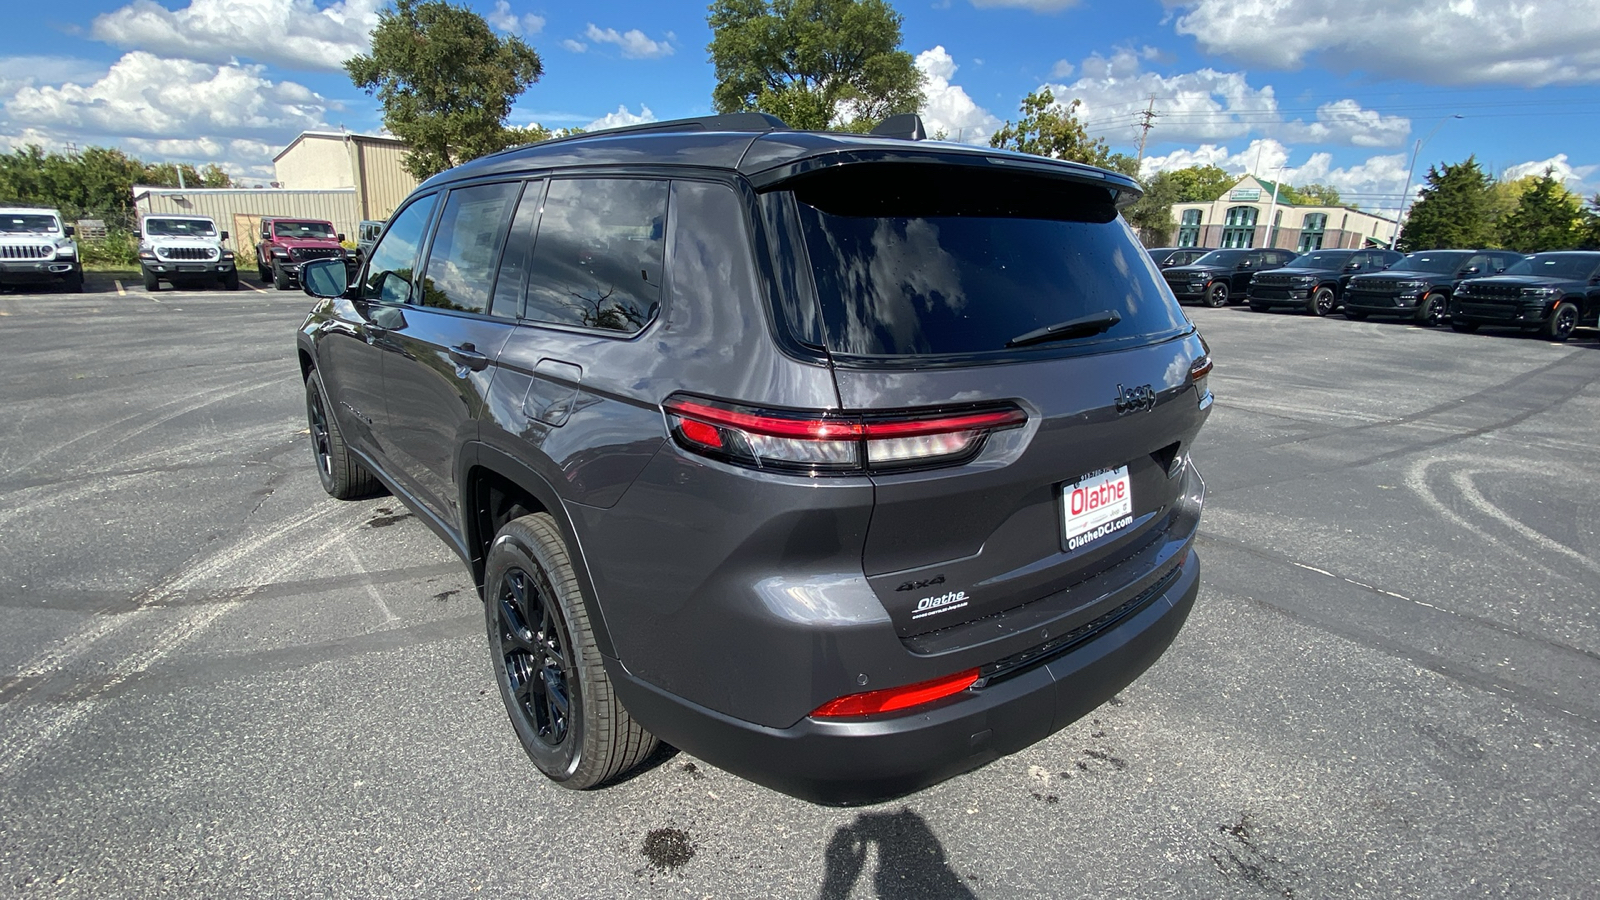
1552,293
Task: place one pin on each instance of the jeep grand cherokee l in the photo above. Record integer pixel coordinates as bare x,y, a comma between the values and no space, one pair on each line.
1314,282
1222,276
1551,293
844,462
1418,287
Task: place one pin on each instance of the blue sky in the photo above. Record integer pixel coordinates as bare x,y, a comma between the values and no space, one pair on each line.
1300,89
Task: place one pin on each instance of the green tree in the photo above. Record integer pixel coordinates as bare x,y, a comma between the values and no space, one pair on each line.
1452,211
1201,184
95,180
1047,128
1318,194
815,64
446,82
1591,224
1548,217
1151,215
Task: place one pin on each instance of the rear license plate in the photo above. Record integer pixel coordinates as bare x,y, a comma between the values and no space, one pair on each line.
1096,505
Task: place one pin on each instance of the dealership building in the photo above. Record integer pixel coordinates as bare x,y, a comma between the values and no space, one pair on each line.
1253,213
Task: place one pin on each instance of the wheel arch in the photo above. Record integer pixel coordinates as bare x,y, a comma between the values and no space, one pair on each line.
496,488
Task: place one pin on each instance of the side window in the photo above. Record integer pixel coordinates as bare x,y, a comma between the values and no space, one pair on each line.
1477,264
466,247
1281,258
597,257
390,268
513,275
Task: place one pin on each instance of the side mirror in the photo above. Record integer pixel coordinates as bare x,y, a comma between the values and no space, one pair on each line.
224,235
69,230
325,278
341,238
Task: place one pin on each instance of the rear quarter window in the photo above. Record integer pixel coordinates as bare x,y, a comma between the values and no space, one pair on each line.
925,260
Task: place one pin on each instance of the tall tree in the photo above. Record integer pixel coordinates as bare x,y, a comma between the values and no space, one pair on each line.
1200,184
1548,217
815,64
1047,128
446,81
1452,211
95,180
1151,215
1318,194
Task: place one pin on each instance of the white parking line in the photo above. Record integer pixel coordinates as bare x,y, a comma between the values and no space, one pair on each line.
254,288
121,292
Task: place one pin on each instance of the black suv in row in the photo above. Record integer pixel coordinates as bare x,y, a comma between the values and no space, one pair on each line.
1315,281
1222,276
1419,286
844,462
1551,293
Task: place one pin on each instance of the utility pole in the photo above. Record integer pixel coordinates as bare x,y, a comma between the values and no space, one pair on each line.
1150,115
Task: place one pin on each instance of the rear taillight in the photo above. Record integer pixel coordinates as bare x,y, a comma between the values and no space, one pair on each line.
897,698
834,443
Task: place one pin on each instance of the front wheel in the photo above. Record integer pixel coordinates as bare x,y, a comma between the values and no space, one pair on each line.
230,281
341,475
73,284
280,278
1322,302
554,684
151,282
1217,295
1433,312
1562,321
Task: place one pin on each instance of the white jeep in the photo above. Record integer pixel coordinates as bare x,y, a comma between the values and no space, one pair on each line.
36,249
184,249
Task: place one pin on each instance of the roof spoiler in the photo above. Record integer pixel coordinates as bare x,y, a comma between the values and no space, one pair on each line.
746,121
907,126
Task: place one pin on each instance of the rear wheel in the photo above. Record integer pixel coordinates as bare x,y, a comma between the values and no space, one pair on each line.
1432,313
556,691
1322,302
1463,326
1562,321
341,475
1217,295
151,282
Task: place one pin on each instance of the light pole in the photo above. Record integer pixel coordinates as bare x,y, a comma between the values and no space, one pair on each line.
1405,192
1272,231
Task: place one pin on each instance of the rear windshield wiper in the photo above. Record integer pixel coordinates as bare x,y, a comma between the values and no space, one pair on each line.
1082,326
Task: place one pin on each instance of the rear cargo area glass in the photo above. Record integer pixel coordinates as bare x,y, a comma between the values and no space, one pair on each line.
918,260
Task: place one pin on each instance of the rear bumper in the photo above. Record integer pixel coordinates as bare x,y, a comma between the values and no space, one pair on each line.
878,758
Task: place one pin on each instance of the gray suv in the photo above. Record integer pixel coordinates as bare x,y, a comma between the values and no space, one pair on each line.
844,462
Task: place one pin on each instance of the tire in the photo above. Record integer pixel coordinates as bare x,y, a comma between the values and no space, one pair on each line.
280,278
1322,302
262,272
1354,315
1433,312
544,657
151,282
1563,319
341,475
73,284
1216,294
1462,326
230,281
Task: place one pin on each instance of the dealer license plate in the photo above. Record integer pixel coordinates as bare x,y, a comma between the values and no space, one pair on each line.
1095,506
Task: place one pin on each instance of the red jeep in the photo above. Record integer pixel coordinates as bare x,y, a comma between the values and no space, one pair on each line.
287,243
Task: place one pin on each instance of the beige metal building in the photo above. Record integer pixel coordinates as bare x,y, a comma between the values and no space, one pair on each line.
240,210
1247,215
367,163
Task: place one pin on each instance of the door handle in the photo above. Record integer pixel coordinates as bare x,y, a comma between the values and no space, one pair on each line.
467,356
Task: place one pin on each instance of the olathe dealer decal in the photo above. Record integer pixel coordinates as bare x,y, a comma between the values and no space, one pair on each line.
1096,505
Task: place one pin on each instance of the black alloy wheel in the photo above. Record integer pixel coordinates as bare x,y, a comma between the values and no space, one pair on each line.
554,684
1322,302
340,474
1433,311
1217,294
1562,321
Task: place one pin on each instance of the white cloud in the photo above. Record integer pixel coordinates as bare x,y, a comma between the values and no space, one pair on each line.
946,107
501,18
1209,105
574,46
621,117
1559,166
294,34
232,114
1040,6
632,43
1062,69
1436,41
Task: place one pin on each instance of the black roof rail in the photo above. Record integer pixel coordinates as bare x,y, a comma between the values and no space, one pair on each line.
748,121
907,126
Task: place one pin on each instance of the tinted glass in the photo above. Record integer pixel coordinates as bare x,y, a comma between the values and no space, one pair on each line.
1325,259
1556,265
920,260
180,227
1227,258
390,267
597,258
303,230
1430,262
514,262
23,223
466,247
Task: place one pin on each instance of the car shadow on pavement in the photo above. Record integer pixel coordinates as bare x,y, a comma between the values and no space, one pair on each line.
911,861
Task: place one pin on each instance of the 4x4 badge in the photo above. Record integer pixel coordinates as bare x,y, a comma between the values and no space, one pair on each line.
1141,397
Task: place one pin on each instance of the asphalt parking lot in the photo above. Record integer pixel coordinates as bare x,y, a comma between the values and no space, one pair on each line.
215,680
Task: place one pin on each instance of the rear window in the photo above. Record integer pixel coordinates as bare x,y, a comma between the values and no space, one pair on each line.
927,260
